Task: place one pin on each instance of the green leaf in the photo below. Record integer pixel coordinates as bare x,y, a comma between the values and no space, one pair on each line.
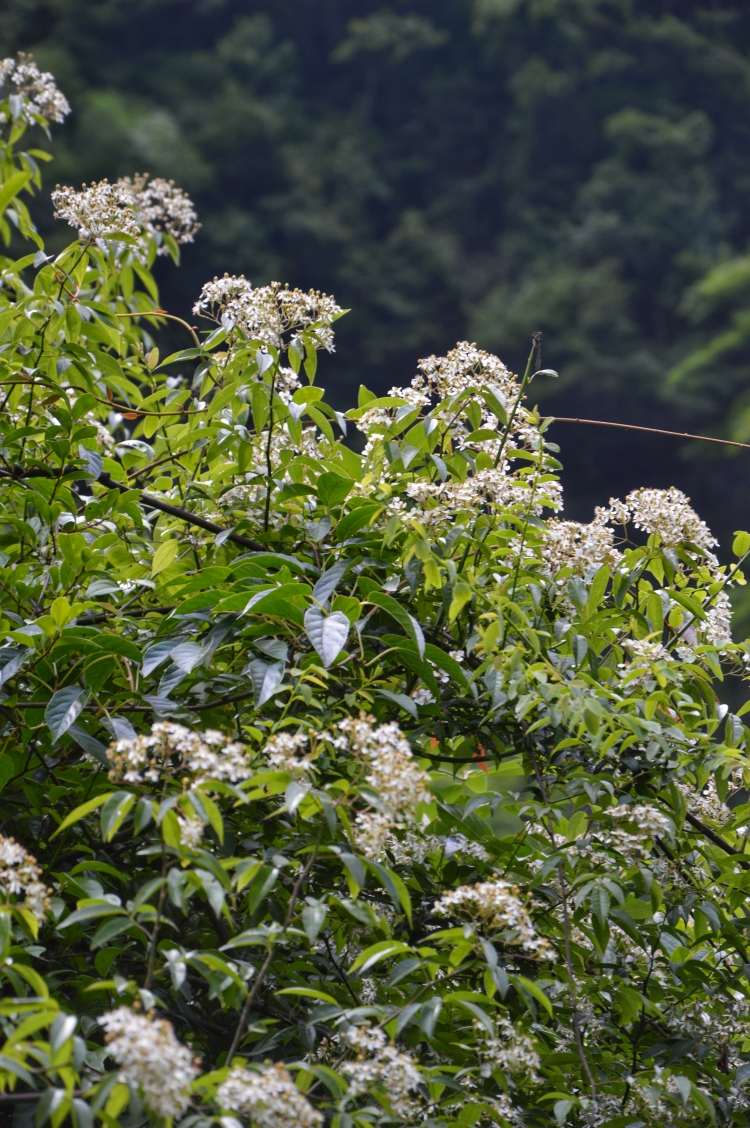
327,633
81,812
396,888
356,519
533,990
384,949
91,911
308,993
12,186
114,812
462,594
741,544
164,555
63,708
400,615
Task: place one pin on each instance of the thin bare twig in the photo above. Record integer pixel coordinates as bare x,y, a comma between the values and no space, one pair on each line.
182,514
267,962
648,430
566,930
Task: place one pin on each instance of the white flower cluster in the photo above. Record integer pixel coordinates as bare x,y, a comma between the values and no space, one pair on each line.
668,514
650,821
498,905
171,749
141,208
31,93
379,1063
191,830
464,367
268,1100
512,1051
149,1055
99,211
644,651
716,628
282,751
705,804
400,784
19,877
441,502
267,313
568,544
160,206
410,847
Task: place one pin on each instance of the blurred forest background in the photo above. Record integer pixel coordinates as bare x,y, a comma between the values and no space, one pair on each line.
451,169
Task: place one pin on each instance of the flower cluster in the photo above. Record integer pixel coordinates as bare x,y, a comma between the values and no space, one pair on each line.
568,544
464,367
269,1099
98,211
440,503
379,1063
19,877
173,750
644,651
160,207
498,905
666,513
650,821
191,830
282,752
392,773
149,1055
31,93
409,847
269,313
512,1051
706,803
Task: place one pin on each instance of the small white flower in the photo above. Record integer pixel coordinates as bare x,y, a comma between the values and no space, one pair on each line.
191,831
269,1099
19,878
379,1063
160,206
282,752
171,749
150,1057
269,313
497,904
98,211
38,94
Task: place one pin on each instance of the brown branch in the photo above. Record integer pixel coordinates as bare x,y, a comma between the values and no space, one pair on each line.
182,514
649,430
718,840
136,613
169,316
154,502
138,473
267,962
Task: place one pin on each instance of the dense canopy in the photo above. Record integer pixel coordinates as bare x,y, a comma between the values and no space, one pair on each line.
339,786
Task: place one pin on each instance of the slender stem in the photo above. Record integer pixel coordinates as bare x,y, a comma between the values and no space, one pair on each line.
157,922
169,316
648,430
268,449
140,472
267,962
566,929
535,341
183,514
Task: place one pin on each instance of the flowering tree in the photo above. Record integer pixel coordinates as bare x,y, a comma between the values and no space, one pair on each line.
337,787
